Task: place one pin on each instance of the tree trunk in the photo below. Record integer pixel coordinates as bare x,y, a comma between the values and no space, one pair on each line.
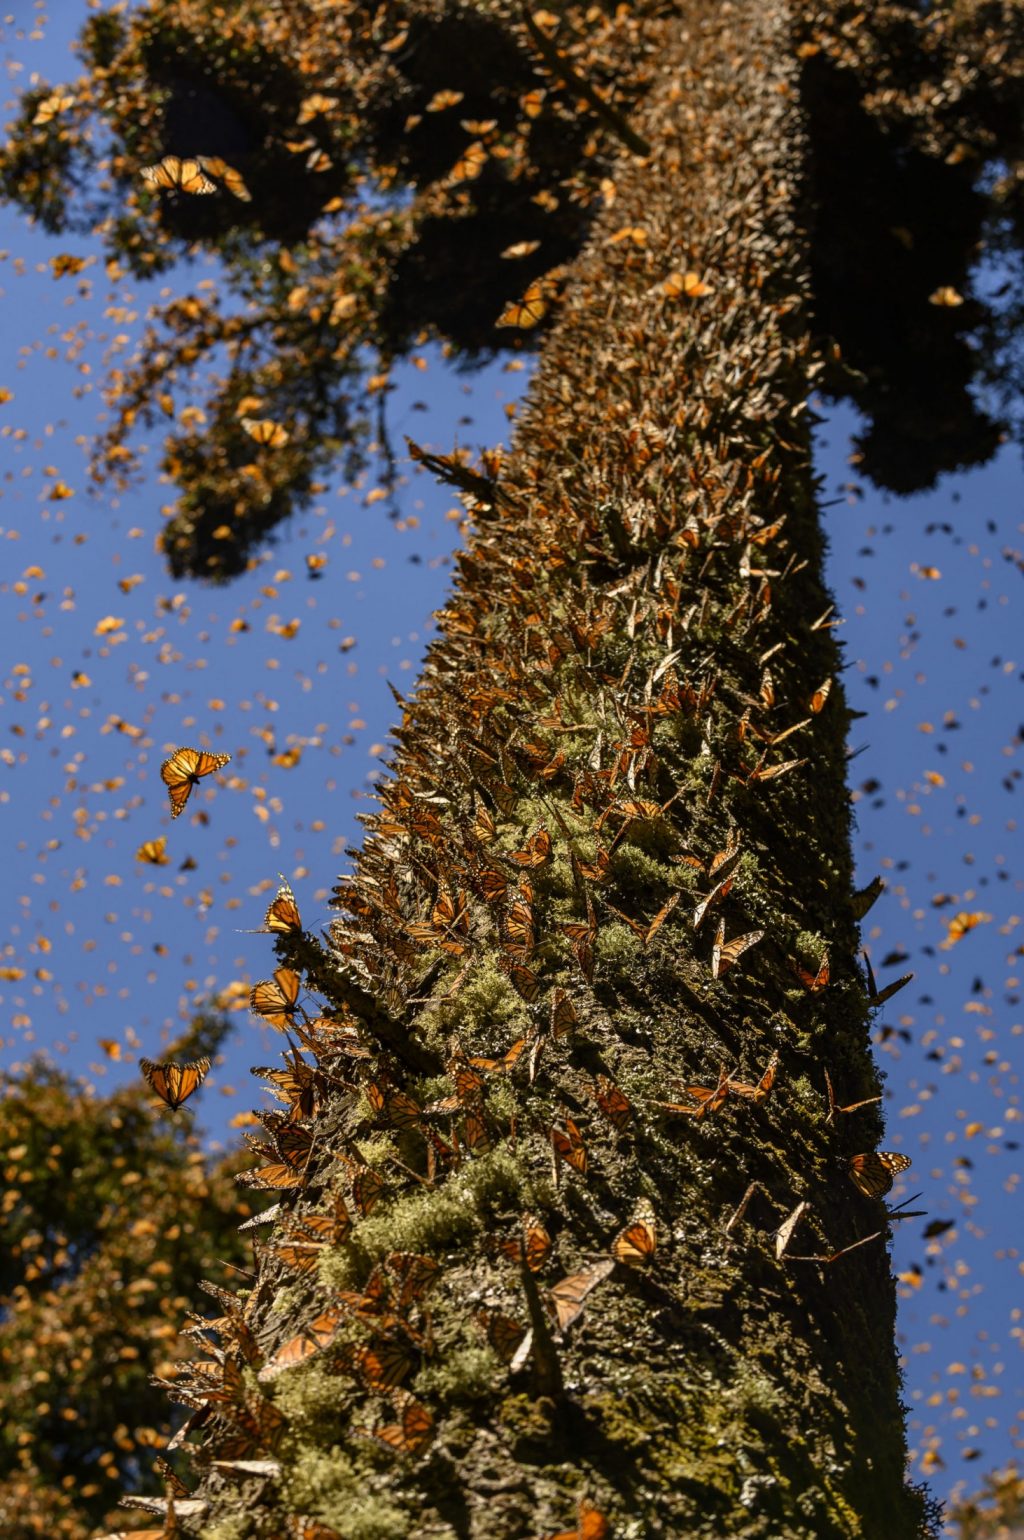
638,621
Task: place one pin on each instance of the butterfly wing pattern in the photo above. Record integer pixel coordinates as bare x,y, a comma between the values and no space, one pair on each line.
175,1083
184,769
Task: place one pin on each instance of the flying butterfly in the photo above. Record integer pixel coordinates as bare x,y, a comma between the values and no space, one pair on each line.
50,107
184,769
227,175
527,312
265,432
154,852
873,1173
469,165
173,174
175,1083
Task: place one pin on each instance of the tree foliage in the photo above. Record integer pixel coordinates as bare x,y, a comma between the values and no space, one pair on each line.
401,172
112,1215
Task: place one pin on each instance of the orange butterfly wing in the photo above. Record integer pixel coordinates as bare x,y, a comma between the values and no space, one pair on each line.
184,769
283,915
873,1173
175,1083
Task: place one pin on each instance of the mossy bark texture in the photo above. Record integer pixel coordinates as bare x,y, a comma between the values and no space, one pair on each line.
529,1312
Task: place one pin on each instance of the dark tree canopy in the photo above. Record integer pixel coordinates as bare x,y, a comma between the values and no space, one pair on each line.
398,173
112,1215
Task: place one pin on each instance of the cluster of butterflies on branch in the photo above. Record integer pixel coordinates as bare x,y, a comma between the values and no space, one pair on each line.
604,659
484,895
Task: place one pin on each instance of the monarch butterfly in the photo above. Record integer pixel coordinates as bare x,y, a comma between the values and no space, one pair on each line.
534,1246
570,1147
833,1108
484,826
173,174
380,1368
614,1103
49,108
710,1098
313,1338
568,1297
415,1274
519,931
469,165
226,174
502,1332
280,1176
878,996
635,1245
725,954
265,432
184,769
467,1084
154,851
563,1014
520,249
299,1255
282,917
502,1065
367,1190
175,1083
525,982
527,312
401,1111
820,696
412,1433
275,999
873,1173
474,1134
762,1089
442,100
535,852
718,892
312,106
814,982
690,283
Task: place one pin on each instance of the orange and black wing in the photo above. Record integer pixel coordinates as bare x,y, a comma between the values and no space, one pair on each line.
184,769
175,1083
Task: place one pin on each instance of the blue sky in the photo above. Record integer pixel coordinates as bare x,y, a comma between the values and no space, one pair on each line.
102,959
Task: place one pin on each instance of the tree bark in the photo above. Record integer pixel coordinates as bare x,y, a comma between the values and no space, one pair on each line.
638,621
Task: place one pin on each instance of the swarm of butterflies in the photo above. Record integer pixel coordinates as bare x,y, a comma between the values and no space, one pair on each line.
391,1305
569,701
